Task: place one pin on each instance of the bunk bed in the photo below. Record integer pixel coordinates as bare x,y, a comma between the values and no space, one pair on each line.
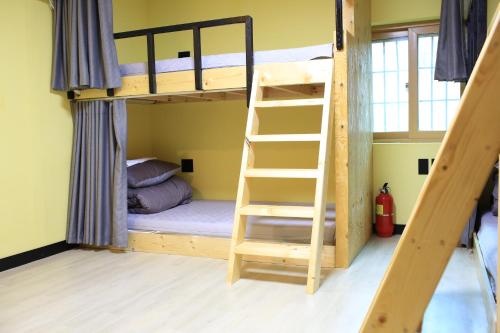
284,75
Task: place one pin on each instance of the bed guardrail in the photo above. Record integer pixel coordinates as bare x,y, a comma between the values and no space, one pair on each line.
196,28
339,25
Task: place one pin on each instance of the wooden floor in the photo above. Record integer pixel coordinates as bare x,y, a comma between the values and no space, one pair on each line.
87,291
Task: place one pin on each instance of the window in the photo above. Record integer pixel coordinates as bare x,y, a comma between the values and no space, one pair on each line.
407,102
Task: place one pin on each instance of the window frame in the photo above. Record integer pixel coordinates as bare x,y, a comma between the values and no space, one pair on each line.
412,32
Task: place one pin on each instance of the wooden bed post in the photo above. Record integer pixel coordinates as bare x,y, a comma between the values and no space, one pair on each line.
353,133
448,196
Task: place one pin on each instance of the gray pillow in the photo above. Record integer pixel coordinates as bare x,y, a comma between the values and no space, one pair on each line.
157,198
150,173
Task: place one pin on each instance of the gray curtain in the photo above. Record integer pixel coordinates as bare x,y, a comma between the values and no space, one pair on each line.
84,53
461,37
98,187
450,57
476,32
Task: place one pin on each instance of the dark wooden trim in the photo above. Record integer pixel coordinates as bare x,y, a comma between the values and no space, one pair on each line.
33,255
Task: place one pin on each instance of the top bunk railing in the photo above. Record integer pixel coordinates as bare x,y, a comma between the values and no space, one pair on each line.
196,28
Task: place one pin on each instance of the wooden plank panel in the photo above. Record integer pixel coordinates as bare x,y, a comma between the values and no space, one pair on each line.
464,161
228,78
209,247
272,74
278,211
353,133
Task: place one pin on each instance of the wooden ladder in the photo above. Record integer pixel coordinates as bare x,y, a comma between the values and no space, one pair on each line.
312,252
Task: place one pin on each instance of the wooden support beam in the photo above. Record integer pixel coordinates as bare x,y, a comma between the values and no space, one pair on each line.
353,133
469,151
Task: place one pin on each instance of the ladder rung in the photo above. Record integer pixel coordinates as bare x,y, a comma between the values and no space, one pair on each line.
275,250
282,173
289,102
284,137
279,211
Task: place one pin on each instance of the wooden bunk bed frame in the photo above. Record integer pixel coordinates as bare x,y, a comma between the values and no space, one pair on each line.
471,146
352,118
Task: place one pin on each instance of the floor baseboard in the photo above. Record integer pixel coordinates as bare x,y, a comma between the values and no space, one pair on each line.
33,255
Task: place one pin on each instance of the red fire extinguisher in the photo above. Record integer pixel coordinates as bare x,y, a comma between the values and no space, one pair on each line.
384,224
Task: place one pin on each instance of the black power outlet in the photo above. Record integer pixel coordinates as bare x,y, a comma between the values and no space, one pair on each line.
423,166
187,165
183,54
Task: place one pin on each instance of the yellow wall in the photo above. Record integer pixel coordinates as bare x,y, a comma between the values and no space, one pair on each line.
35,132
492,6
402,11
140,136
130,15
277,24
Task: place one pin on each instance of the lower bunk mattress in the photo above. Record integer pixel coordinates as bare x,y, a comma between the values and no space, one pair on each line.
215,218
488,242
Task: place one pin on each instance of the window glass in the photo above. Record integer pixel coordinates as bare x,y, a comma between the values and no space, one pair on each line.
390,85
437,101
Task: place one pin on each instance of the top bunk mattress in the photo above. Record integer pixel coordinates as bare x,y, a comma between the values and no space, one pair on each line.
231,60
215,218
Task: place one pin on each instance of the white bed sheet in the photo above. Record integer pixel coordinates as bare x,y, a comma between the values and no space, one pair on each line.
231,60
215,218
488,242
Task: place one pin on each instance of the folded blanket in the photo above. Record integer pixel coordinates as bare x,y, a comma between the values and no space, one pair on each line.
154,199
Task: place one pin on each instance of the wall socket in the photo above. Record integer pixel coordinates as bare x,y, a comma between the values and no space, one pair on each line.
187,165
423,166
